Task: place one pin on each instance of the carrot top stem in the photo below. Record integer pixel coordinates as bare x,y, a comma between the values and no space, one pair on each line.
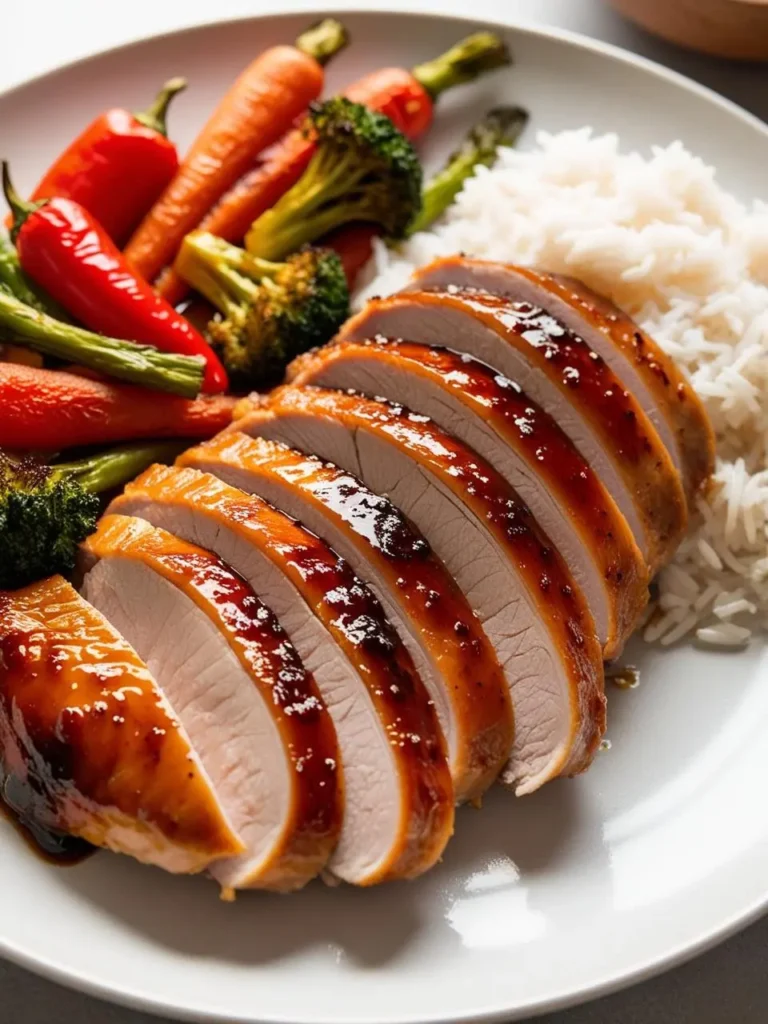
473,56
323,40
154,116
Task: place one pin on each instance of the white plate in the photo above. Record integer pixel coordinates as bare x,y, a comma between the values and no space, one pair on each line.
659,851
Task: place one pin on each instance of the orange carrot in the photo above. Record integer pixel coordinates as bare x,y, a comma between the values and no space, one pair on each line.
276,170
52,409
260,107
406,97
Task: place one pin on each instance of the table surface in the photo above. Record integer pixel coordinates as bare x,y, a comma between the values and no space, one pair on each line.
726,986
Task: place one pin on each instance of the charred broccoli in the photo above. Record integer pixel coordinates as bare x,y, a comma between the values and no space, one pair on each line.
271,311
46,511
364,169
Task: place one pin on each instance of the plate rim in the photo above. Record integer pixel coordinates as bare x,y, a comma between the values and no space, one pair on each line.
653,965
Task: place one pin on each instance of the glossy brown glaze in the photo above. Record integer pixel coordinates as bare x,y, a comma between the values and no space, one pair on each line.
670,391
427,594
533,435
480,489
262,648
353,616
589,394
89,747
681,406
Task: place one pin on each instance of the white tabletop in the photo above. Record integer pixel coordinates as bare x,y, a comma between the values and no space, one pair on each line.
728,985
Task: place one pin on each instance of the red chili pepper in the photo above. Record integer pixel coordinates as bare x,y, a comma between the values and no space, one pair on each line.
118,166
67,252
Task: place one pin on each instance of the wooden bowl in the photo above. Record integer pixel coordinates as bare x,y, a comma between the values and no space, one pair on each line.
737,29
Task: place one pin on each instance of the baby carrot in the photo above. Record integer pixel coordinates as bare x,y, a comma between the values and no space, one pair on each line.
53,409
260,107
406,97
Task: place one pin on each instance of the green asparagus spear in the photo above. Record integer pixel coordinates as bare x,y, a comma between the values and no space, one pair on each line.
139,364
46,511
112,468
501,126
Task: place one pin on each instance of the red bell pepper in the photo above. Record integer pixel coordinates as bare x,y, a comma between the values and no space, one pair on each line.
118,166
67,252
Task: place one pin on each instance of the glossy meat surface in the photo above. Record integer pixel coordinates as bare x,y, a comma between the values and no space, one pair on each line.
570,381
653,377
91,743
467,684
398,794
515,581
288,793
495,417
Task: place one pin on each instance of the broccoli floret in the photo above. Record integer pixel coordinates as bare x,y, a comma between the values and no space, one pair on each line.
270,312
46,511
364,169
44,515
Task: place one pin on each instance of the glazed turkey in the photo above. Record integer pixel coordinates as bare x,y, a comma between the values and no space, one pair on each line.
517,584
568,380
449,648
384,586
492,415
250,708
88,742
398,797
658,384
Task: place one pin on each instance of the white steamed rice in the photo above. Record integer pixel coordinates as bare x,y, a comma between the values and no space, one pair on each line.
688,261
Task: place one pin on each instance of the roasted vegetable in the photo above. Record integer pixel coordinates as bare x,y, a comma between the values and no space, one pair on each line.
406,97
140,364
271,311
15,282
51,409
258,109
118,166
500,127
364,169
46,511
65,251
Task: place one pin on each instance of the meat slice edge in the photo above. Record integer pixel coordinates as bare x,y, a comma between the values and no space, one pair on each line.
235,682
452,654
543,635
398,799
569,381
655,379
89,743
491,415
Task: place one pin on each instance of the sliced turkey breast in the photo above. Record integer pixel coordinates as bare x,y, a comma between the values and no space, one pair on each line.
658,384
253,713
569,381
517,584
495,418
398,814
448,646
88,744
